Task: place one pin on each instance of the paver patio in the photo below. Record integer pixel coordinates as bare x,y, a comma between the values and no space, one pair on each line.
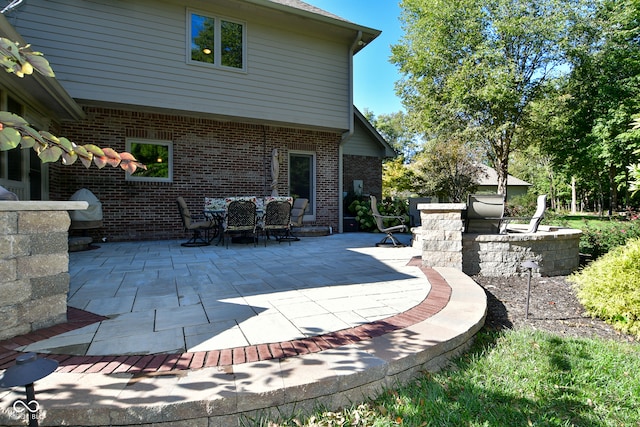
285,321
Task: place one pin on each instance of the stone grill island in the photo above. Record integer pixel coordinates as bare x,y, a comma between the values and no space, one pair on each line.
444,243
34,264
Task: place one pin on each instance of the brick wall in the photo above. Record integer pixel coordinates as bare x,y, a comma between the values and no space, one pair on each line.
367,169
210,158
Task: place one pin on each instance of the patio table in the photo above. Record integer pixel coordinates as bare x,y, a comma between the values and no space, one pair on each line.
216,208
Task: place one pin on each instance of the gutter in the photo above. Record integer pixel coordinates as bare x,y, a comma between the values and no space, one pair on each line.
345,136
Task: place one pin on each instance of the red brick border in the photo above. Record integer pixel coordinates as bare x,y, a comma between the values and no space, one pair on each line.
435,301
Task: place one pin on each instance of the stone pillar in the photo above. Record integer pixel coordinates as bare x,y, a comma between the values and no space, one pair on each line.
34,265
441,234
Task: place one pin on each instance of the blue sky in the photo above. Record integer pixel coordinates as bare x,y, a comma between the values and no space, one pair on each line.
374,75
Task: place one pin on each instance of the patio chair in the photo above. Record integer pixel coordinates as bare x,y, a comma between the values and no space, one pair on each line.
241,219
276,220
203,230
297,215
389,239
534,221
484,213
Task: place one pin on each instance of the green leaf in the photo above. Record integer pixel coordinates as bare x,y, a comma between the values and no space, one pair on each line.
9,138
7,47
28,131
39,63
50,154
69,158
27,142
66,144
50,137
12,120
82,152
93,149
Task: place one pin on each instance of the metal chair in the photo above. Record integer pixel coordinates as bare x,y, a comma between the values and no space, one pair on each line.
400,228
534,221
241,219
204,231
297,215
277,220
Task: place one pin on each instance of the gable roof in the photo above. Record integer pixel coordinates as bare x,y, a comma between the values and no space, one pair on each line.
374,134
491,177
308,7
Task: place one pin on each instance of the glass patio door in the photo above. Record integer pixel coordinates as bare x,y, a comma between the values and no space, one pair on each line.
302,180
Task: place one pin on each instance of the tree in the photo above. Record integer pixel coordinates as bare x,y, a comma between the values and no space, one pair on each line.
397,178
16,131
603,96
471,69
446,170
396,130
396,175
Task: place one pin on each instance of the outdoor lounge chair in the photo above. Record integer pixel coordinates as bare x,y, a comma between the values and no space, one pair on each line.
389,239
484,213
204,231
534,221
277,220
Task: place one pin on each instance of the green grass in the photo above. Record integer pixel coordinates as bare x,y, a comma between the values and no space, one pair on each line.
512,378
580,221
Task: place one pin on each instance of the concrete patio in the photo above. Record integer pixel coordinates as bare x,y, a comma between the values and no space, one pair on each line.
163,334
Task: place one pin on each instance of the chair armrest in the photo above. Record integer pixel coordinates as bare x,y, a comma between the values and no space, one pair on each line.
398,217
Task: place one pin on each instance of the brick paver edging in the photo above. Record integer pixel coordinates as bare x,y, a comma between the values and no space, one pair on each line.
435,301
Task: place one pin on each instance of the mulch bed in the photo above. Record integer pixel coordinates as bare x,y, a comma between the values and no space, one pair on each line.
553,307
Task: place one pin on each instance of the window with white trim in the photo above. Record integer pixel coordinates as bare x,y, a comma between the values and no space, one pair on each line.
157,156
216,41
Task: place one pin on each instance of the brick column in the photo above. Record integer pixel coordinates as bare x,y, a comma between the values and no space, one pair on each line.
441,234
34,265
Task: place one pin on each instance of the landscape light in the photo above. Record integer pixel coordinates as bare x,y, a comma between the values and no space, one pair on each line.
27,370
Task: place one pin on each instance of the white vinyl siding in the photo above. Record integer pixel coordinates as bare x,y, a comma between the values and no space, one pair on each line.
134,53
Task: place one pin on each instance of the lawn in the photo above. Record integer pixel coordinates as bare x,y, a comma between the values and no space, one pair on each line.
509,378
581,221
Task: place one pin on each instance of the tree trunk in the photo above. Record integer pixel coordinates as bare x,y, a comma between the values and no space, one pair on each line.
573,195
501,169
613,191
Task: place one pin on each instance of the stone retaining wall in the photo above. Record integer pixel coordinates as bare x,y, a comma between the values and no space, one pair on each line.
34,265
555,250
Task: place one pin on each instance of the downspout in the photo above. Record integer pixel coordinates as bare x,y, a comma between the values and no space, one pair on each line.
346,135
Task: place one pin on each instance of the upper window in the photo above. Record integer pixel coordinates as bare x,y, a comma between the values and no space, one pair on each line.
157,156
216,41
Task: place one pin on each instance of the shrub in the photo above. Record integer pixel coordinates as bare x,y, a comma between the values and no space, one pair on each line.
599,239
609,288
361,209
